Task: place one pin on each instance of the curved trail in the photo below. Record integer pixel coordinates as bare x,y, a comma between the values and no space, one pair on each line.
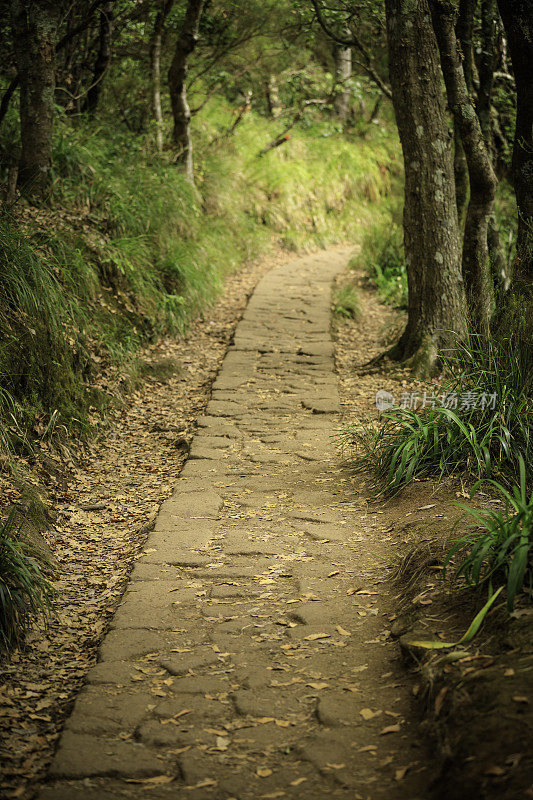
249,657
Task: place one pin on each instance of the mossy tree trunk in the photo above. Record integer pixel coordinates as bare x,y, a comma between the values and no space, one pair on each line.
34,26
517,16
155,70
177,75
475,260
488,59
436,308
464,29
343,73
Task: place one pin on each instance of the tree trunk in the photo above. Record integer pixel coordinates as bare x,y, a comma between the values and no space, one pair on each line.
464,29
487,65
155,70
177,74
343,73
273,101
34,36
462,181
103,57
481,174
488,59
517,16
436,307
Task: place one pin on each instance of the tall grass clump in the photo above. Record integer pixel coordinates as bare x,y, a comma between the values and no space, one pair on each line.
25,592
499,544
477,424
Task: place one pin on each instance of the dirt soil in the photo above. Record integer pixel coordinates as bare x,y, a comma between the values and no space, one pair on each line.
273,621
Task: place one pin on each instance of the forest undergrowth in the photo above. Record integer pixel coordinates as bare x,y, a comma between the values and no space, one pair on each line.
127,250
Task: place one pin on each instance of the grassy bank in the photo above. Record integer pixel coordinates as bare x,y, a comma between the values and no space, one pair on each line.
127,250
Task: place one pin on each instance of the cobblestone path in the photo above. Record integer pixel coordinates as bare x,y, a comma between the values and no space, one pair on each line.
250,656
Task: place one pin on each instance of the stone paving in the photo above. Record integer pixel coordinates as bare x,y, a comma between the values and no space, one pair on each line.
250,657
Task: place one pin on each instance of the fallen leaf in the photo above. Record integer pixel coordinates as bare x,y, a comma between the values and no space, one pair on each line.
400,773
342,631
439,700
367,713
263,772
390,729
495,770
314,636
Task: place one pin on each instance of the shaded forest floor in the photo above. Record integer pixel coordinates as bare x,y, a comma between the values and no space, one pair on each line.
106,505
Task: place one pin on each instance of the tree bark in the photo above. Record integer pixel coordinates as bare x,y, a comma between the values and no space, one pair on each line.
482,178
155,70
487,65
517,16
34,26
488,60
177,74
103,57
464,29
343,73
462,181
436,306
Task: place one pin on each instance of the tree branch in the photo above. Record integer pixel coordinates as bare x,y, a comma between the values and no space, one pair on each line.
353,41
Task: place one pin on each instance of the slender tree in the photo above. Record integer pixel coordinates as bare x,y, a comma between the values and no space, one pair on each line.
34,25
272,93
177,75
343,73
103,56
464,31
155,69
475,261
436,306
517,16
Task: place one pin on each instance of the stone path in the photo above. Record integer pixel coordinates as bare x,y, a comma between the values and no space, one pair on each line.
249,657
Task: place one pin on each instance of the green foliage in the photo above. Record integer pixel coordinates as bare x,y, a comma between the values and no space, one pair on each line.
483,442
381,256
346,302
25,593
138,252
499,543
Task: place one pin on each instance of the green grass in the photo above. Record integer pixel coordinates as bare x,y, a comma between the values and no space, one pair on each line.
488,439
136,252
25,592
499,544
381,255
346,302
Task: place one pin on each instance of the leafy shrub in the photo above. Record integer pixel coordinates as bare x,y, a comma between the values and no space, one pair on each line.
25,593
500,543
